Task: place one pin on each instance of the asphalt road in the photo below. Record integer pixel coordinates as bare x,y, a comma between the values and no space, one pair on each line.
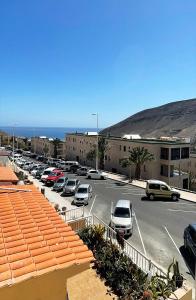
159,224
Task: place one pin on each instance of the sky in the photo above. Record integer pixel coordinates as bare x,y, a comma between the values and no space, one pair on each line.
62,60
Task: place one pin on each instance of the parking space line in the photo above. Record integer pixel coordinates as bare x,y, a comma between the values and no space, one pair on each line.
92,204
140,234
134,194
181,210
172,240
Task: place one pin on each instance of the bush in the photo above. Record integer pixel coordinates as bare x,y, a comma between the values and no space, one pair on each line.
121,275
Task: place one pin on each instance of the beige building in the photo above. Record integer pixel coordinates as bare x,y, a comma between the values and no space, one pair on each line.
170,156
45,146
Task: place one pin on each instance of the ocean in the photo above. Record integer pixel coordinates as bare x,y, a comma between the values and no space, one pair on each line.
53,132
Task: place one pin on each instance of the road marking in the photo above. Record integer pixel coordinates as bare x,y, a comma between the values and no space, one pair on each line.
172,239
140,234
134,194
92,204
181,210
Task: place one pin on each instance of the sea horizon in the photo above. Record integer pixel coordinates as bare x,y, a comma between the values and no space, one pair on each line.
49,132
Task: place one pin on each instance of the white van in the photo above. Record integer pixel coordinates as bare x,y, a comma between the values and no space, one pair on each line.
67,164
46,173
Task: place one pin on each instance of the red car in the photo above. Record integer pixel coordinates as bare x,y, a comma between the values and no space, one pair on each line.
54,176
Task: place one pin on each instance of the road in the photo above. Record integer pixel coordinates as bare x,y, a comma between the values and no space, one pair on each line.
159,224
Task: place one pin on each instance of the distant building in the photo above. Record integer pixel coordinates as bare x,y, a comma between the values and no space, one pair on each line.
169,155
131,136
45,146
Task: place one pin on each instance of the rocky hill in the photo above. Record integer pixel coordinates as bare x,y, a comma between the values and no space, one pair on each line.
172,119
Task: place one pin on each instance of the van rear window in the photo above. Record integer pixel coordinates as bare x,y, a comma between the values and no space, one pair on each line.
154,186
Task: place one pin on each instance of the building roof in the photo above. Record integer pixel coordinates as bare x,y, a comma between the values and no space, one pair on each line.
33,238
7,175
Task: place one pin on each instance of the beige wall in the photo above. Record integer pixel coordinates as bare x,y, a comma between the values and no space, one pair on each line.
49,286
38,144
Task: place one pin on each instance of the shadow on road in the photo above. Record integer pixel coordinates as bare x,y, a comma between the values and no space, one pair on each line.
145,198
118,183
189,260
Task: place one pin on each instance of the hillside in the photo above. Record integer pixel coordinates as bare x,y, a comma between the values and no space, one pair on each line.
172,119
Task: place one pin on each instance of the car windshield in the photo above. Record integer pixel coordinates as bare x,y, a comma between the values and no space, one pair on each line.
122,212
71,183
82,190
61,180
47,172
53,174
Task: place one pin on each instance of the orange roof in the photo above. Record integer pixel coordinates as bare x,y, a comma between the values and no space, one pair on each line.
33,237
6,174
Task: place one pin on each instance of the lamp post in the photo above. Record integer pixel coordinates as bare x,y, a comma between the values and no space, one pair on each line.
97,144
13,138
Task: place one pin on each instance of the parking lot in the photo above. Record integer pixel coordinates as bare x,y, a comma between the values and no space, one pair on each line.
158,225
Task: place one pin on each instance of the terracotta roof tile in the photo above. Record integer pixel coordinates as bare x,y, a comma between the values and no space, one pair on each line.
7,175
33,237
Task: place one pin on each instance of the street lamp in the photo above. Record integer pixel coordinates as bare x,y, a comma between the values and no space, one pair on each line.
97,145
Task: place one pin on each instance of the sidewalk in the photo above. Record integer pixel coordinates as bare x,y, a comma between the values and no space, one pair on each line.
185,195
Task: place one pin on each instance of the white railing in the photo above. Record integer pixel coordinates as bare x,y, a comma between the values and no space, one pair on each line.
143,262
73,214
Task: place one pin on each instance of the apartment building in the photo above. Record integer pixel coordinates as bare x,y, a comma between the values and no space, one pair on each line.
170,156
45,146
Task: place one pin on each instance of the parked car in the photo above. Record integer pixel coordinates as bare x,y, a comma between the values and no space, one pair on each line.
122,217
82,171
71,186
53,177
83,194
160,189
34,169
46,173
68,164
95,174
190,238
59,184
39,172
26,165
74,168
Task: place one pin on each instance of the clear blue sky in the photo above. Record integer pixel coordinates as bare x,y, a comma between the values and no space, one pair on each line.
62,60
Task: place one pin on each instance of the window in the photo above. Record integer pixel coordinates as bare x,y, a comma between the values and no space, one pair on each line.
164,153
120,147
154,186
124,148
164,188
105,157
185,152
172,171
192,234
144,168
164,170
175,153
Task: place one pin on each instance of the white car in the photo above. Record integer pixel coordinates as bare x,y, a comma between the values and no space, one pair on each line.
95,174
122,217
46,173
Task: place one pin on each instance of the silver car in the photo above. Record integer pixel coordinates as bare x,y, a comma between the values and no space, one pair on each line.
71,186
59,184
83,194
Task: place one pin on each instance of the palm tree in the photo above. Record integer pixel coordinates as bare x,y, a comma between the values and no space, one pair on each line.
138,156
102,147
56,143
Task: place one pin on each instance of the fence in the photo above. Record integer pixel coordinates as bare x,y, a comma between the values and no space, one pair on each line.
144,263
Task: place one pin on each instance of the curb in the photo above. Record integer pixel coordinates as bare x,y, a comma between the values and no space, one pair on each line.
130,183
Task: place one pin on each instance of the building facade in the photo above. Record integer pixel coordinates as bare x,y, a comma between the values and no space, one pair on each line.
169,157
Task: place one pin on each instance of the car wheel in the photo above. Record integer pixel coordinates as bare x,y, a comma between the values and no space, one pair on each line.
102,177
151,197
89,177
174,197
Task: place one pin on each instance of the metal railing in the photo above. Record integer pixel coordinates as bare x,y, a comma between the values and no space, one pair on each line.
143,262
73,214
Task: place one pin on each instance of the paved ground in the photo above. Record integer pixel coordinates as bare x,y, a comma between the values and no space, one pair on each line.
158,225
